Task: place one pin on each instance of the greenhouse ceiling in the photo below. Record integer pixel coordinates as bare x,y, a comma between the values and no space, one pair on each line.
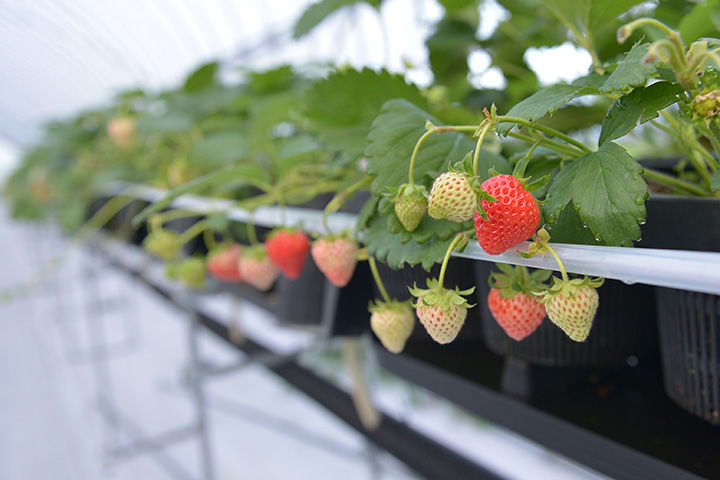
61,56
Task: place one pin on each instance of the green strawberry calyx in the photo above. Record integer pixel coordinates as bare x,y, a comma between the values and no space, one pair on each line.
512,280
379,306
566,287
436,294
408,190
255,252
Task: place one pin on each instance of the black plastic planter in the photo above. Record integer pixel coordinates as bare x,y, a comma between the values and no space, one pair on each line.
312,302
688,321
690,339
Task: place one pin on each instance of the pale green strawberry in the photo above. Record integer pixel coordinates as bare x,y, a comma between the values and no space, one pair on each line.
166,244
411,205
572,305
192,272
392,322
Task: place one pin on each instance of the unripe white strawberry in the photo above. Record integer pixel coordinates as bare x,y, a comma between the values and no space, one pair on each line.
392,322
452,197
441,311
572,305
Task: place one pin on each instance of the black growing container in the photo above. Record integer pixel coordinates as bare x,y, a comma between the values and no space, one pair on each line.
312,302
690,342
688,321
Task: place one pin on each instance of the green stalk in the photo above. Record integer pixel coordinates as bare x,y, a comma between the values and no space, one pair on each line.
193,231
430,131
551,144
488,126
544,129
378,280
675,182
547,246
252,234
414,154
459,238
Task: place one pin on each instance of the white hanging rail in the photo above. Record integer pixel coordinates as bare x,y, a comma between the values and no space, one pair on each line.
682,269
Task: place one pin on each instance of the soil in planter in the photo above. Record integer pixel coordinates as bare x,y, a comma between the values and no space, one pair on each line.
690,337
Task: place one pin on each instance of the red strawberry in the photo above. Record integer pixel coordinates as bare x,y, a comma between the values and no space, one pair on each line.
392,322
572,304
335,257
519,315
257,269
513,218
452,197
288,248
441,311
511,301
411,204
223,264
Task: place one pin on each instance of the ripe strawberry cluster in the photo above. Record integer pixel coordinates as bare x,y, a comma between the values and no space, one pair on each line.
505,214
285,252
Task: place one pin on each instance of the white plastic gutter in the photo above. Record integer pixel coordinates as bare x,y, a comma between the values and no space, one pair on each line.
681,269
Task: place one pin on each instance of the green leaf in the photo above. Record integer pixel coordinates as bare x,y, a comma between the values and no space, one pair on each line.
543,102
568,228
631,71
560,192
219,148
702,21
173,122
391,142
715,185
609,194
201,78
387,248
317,12
249,173
587,17
642,104
456,4
271,80
343,106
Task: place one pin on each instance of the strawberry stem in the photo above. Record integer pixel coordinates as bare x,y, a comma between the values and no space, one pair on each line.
433,129
340,198
378,280
415,151
252,234
547,246
209,237
457,241
193,231
544,129
489,125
